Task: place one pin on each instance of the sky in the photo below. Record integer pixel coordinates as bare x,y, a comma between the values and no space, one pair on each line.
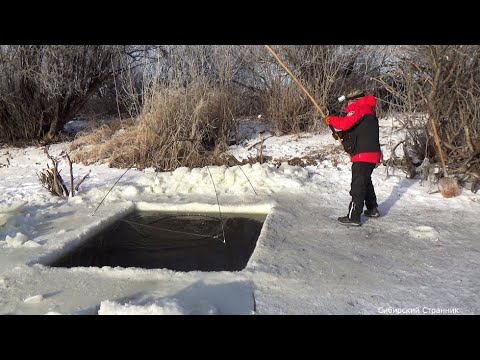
422,256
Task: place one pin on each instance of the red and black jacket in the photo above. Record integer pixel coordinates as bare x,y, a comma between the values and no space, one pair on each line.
359,130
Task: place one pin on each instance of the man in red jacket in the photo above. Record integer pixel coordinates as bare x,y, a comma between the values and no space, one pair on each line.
359,132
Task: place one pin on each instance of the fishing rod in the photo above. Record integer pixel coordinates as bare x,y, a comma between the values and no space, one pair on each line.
324,116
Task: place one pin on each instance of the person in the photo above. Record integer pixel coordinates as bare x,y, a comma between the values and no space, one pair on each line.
359,133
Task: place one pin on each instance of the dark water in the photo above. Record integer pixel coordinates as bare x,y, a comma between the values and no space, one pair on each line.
173,241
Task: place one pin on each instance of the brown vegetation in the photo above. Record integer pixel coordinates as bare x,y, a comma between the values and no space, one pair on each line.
177,105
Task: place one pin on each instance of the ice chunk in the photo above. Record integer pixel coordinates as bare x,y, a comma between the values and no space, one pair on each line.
34,299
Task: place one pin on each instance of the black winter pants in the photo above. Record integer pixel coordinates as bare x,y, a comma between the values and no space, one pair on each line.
362,190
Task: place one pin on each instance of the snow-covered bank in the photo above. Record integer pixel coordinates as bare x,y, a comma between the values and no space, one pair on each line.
424,251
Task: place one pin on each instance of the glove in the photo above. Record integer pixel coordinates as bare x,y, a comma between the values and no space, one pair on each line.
327,120
337,135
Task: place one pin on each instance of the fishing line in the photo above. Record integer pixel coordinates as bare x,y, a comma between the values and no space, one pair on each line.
247,179
169,230
101,202
218,203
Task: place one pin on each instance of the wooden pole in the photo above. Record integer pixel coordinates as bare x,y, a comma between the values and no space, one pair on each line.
296,80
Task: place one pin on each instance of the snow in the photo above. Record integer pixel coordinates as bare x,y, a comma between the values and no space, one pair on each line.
421,256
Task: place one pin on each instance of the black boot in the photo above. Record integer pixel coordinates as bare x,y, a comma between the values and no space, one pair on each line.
372,212
353,217
345,220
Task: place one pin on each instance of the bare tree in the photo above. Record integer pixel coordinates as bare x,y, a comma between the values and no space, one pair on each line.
326,70
42,87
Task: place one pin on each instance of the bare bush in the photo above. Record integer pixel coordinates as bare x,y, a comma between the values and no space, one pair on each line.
52,180
443,82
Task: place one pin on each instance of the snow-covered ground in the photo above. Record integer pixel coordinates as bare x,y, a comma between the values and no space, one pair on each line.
421,256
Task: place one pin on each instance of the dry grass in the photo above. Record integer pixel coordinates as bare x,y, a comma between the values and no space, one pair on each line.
99,144
178,127
290,111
